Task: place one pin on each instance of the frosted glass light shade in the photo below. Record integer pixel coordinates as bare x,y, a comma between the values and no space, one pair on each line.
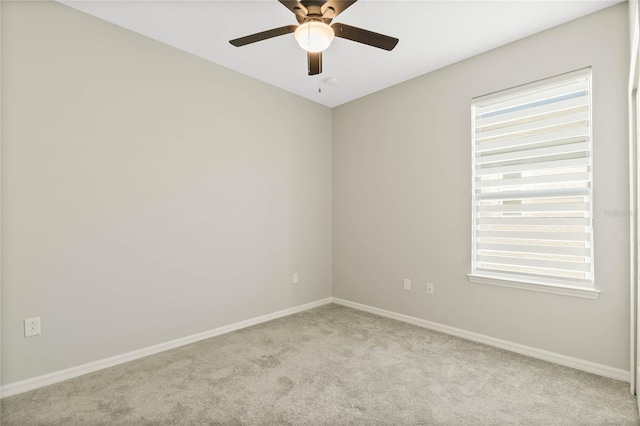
314,36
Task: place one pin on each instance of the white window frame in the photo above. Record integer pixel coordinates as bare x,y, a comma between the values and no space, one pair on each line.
555,285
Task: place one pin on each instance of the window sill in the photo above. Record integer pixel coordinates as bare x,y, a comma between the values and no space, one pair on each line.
585,293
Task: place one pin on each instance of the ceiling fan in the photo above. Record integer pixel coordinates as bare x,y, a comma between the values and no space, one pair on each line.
314,33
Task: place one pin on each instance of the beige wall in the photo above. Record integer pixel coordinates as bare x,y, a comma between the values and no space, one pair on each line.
147,194
402,196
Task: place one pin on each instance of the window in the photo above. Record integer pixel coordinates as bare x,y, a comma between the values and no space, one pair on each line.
532,189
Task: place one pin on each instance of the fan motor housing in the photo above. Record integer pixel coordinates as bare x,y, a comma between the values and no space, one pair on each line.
315,13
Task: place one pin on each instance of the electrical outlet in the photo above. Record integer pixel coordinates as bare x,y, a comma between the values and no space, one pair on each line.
407,284
430,289
296,278
32,327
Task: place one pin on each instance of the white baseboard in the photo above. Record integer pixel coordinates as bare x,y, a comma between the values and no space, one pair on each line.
578,364
69,373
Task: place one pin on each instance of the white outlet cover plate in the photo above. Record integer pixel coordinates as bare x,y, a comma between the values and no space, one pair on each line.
32,327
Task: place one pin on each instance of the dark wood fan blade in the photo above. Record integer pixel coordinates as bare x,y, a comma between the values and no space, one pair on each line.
295,6
380,41
338,7
264,35
314,62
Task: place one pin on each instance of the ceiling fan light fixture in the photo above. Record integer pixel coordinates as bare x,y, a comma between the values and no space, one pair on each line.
314,36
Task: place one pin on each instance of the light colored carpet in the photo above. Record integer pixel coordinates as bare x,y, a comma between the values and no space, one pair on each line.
330,365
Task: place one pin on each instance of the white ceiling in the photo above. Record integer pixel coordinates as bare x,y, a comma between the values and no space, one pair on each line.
432,34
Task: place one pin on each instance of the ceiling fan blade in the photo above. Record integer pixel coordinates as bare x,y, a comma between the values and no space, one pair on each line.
295,6
314,62
338,7
380,41
264,35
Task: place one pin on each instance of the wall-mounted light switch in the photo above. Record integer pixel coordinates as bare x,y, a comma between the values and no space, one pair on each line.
407,284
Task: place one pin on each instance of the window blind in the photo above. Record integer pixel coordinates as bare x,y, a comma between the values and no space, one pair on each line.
532,175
